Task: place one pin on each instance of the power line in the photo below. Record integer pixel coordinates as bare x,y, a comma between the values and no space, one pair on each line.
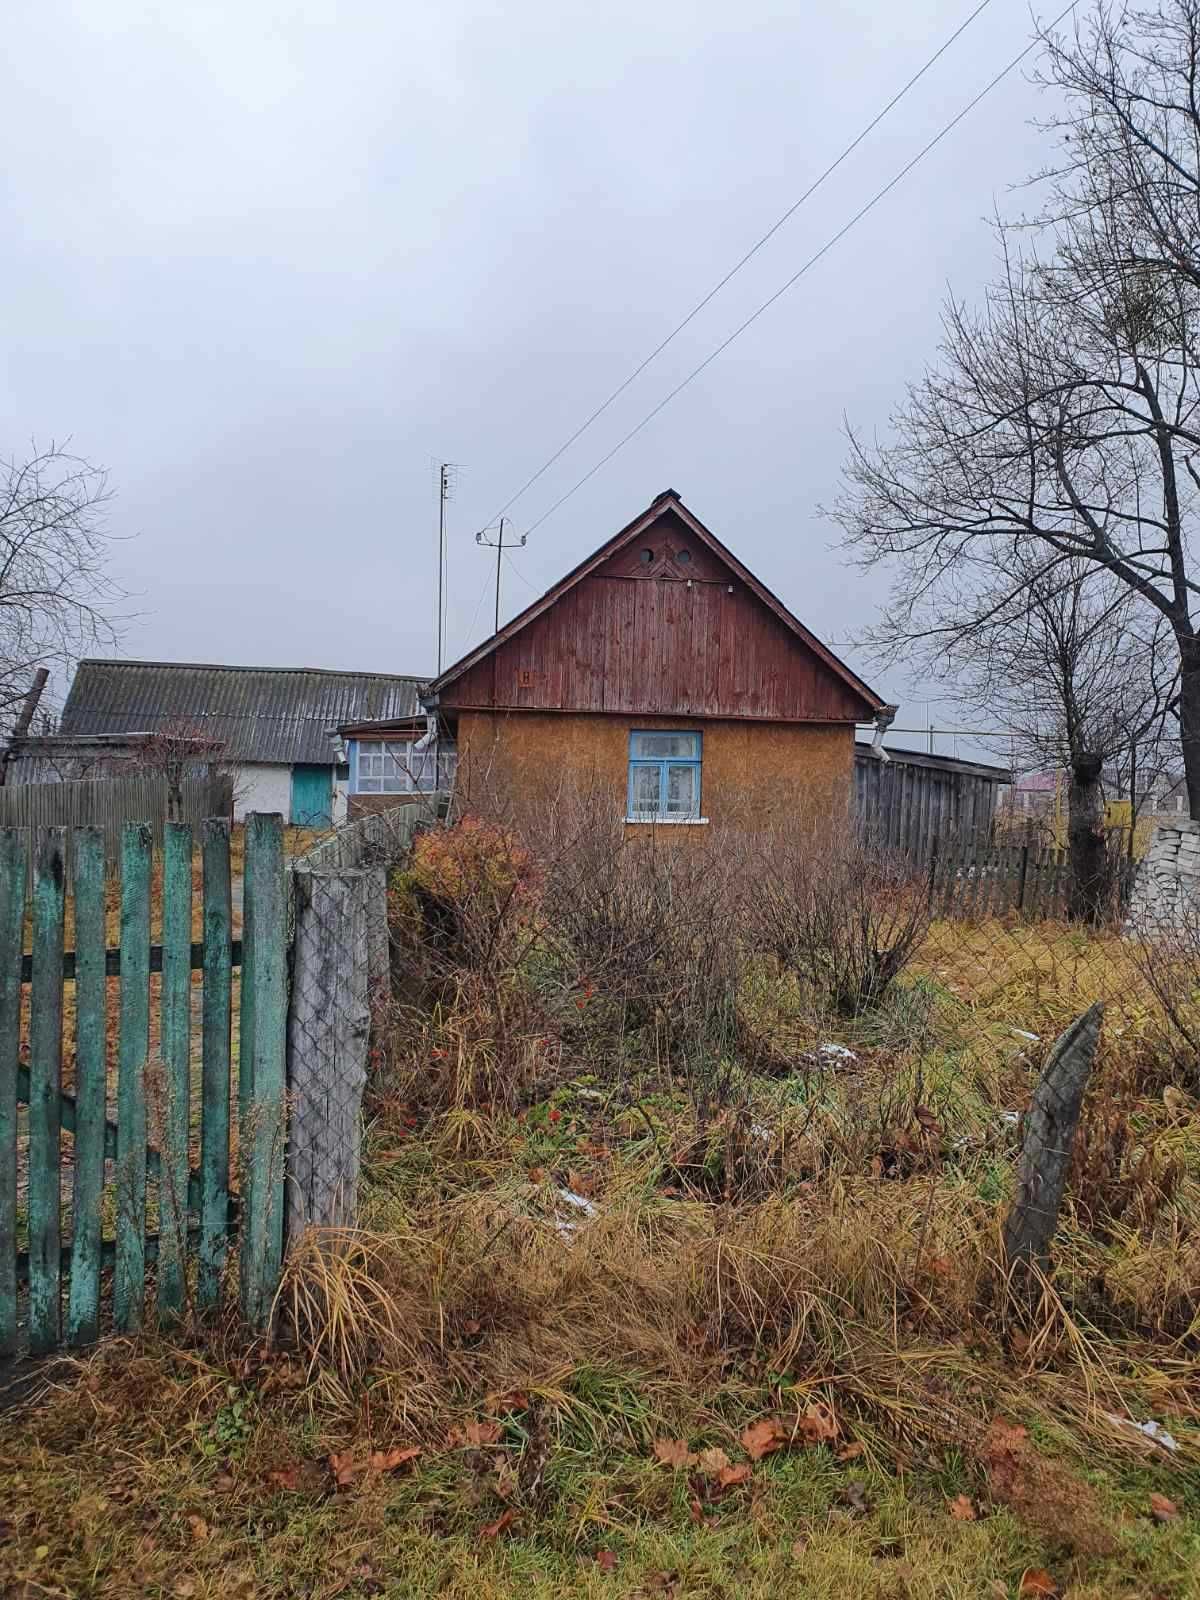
796,276
749,255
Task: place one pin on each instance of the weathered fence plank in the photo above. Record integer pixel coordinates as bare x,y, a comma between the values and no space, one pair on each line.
14,866
175,1091
328,1039
215,1064
1051,1122
45,1087
133,1049
261,1134
90,1108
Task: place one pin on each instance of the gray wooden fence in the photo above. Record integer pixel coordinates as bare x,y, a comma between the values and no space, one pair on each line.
973,879
110,803
911,800
341,985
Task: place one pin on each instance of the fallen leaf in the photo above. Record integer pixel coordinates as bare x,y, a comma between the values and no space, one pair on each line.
762,1437
536,1174
817,1425
799,1548
674,1453
472,1326
1036,1581
224,1481
285,1477
927,1119
696,1510
476,1434
962,1508
712,1462
184,1589
198,1526
851,1452
1162,1509
514,1400
1175,1100
554,1114
728,1476
606,1561
854,1495
341,1464
389,1460
503,1521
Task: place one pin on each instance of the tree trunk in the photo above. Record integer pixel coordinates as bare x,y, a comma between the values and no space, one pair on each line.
1189,718
1050,1127
1085,839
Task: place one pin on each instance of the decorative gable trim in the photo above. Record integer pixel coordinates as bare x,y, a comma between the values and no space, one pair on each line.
662,505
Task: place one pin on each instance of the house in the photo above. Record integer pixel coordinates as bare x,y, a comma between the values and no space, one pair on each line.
273,728
661,673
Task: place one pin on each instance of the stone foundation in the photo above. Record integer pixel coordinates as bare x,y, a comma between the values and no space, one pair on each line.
1166,890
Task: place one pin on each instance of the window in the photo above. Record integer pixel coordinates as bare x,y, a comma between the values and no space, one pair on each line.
664,777
396,766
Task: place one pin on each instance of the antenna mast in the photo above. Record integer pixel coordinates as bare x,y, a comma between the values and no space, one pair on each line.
447,478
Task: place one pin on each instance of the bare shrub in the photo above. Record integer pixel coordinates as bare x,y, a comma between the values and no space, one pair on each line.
842,913
1169,959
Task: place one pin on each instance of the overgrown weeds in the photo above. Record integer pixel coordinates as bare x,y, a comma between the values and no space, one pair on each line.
640,1189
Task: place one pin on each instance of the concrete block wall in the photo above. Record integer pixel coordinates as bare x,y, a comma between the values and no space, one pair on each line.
1166,891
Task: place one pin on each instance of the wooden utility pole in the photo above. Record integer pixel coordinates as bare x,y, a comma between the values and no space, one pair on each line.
500,547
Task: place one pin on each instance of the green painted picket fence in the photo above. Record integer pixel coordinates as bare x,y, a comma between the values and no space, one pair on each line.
100,1215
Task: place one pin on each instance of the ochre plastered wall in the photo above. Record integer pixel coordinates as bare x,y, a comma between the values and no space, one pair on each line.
753,773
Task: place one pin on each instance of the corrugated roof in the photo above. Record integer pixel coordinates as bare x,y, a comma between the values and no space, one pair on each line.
258,713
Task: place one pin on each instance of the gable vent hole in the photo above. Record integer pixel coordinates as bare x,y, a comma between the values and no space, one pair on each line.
647,556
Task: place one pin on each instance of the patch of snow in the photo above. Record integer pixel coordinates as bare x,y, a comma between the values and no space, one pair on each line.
579,1201
1020,1033
1011,1117
837,1052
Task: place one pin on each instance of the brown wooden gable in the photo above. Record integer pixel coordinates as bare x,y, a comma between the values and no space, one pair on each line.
661,620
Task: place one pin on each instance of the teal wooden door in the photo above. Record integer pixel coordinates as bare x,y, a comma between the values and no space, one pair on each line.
312,796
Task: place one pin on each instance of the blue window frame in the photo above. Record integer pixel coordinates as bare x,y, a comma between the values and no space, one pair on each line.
664,776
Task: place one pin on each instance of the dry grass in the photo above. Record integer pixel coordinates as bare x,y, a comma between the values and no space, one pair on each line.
828,1238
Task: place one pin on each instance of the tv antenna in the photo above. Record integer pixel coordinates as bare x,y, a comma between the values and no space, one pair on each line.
500,546
447,482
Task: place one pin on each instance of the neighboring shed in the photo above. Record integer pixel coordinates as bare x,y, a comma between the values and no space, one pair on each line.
274,726
912,798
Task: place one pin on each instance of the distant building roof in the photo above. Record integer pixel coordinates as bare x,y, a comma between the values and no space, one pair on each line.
277,714
924,758
1039,782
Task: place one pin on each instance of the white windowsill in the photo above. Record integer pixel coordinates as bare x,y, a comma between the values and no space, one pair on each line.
669,822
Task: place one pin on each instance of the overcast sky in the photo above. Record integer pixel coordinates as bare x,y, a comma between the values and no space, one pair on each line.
269,262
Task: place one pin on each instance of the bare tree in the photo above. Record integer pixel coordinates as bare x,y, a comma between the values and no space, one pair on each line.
1057,428
1077,671
175,752
56,592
